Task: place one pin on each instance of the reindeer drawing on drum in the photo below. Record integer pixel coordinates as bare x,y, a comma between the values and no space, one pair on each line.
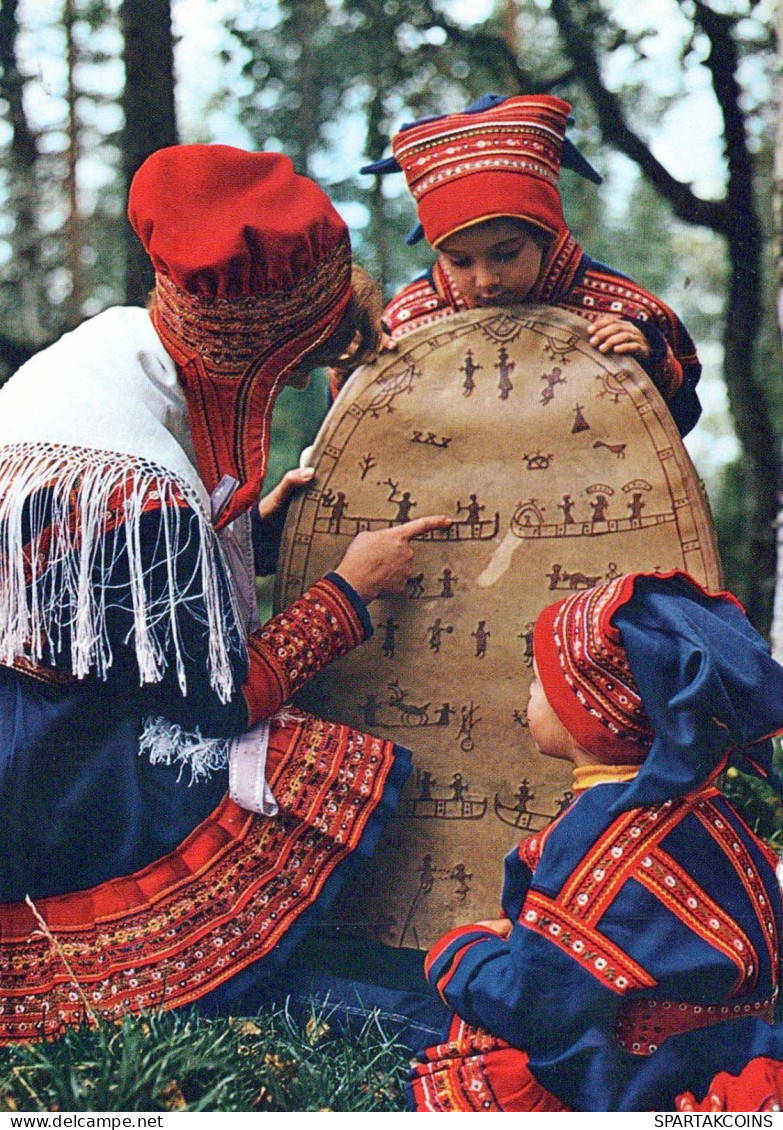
408,710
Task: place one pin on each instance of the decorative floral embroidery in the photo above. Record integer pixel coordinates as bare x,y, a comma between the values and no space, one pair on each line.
319,627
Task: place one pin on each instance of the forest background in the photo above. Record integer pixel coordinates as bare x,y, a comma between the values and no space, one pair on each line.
676,103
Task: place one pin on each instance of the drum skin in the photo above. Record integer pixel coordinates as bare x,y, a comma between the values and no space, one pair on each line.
561,468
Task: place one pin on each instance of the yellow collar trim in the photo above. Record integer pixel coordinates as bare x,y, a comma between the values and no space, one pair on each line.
586,776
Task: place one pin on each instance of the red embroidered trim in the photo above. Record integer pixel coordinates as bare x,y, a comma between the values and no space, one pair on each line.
444,980
587,676
421,303
530,851
482,145
631,849
615,856
232,358
560,271
230,334
522,136
599,293
181,927
678,892
748,874
319,627
589,948
415,306
531,847
418,305
473,1071
49,675
628,299
443,943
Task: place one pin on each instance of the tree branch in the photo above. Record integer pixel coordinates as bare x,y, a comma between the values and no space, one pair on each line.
684,202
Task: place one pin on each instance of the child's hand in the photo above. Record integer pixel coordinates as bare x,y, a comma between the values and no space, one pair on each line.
501,926
610,334
291,482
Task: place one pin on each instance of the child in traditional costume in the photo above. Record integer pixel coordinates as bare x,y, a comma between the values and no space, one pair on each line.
637,963
136,682
485,185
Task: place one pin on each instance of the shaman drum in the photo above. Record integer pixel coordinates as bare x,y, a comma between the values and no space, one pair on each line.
561,468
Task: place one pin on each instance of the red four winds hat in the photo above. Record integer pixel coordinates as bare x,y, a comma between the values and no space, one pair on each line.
502,161
585,673
654,668
252,272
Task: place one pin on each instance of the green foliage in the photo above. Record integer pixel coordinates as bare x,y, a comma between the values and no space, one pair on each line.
181,1062
758,804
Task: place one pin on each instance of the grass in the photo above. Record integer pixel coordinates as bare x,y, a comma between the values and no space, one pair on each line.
183,1062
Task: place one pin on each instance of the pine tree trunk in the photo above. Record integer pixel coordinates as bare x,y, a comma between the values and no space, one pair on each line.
150,115
22,199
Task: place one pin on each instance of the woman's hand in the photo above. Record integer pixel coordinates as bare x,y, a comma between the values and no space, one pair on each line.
291,482
378,563
610,334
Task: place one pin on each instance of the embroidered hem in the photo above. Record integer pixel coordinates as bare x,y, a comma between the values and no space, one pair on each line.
241,889
475,1071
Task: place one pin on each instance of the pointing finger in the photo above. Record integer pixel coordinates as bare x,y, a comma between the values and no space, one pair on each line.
423,525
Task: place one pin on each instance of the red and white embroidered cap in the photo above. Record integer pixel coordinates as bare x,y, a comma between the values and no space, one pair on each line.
499,162
586,676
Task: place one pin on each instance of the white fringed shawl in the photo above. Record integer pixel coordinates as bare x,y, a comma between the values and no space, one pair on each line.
99,408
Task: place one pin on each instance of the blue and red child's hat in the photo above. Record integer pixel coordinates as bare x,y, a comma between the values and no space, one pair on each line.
653,668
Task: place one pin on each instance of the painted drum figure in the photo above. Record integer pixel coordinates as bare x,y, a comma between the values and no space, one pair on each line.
636,965
485,183
169,828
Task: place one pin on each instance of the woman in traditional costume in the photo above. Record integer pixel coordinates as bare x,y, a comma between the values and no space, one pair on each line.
637,963
137,685
485,183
